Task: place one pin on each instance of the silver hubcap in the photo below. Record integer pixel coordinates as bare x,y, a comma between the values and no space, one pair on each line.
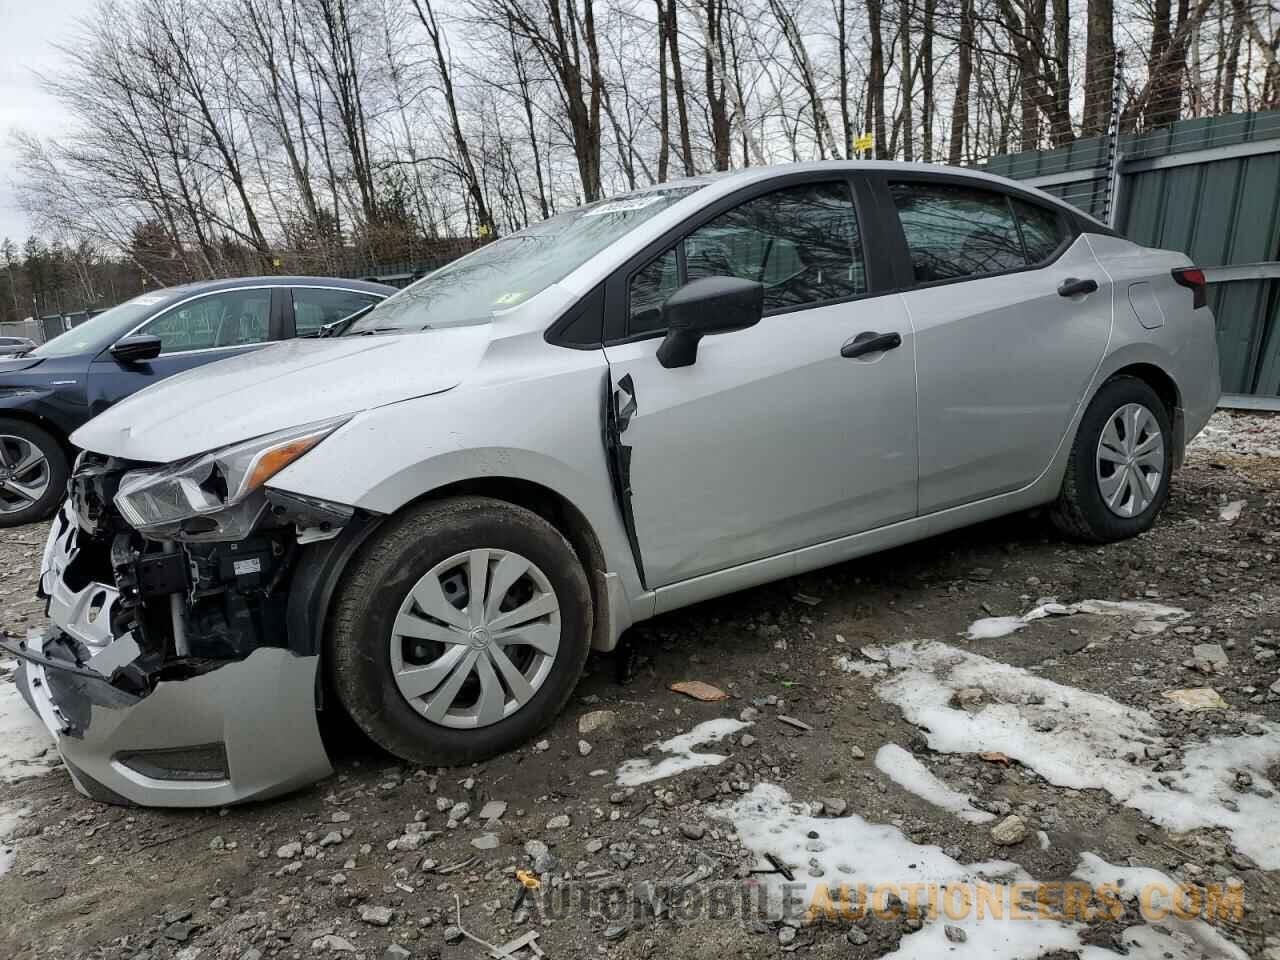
1130,460
24,473
475,638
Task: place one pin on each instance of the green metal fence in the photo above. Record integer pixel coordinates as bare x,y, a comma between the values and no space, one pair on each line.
1210,188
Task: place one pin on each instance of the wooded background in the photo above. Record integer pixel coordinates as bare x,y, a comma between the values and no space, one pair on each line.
227,137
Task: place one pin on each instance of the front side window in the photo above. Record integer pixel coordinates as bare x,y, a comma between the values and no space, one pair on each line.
313,307
956,231
649,287
229,319
802,243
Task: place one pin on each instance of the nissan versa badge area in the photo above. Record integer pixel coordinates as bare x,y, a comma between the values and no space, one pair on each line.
428,520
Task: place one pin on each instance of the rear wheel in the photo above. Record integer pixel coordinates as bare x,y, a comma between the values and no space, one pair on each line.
33,473
1117,479
460,631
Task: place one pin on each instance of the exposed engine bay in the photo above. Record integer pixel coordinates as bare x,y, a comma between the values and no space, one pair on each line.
188,602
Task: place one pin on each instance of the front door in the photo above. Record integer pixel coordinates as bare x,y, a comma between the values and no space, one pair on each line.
192,333
1003,357
772,440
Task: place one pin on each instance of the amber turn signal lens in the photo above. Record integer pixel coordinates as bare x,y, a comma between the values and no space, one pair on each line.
276,459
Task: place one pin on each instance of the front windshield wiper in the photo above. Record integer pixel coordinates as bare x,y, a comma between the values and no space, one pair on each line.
338,326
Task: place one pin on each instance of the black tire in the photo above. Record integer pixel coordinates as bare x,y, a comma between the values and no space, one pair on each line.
58,470
378,580
1080,512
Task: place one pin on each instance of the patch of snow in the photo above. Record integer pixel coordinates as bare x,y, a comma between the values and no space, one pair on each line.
1148,618
863,668
1130,882
1245,434
1231,511
26,748
906,771
850,851
682,757
1081,740
9,817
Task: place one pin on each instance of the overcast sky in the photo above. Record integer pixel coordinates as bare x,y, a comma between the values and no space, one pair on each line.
28,31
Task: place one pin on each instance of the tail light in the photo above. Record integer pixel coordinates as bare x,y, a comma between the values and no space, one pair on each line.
1193,279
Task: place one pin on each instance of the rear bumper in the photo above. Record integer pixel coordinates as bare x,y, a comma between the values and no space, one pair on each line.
243,731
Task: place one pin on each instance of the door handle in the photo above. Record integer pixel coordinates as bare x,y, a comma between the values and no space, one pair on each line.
1073,287
870,342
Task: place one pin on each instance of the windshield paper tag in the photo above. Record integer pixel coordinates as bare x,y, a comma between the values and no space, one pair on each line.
623,206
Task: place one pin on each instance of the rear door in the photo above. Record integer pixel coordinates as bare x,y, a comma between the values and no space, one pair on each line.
192,333
1006,344
771,440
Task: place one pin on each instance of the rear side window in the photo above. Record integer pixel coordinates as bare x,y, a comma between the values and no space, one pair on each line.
954,232
314,307
1043,231
802,243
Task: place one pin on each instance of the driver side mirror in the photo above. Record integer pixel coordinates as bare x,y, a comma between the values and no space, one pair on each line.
701,307
136,348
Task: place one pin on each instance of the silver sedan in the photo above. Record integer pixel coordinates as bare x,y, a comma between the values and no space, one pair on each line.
429,518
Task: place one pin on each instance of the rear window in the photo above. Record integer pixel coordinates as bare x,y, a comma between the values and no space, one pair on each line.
1043,230
954,232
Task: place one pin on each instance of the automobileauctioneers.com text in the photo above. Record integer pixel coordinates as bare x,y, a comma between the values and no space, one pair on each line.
1073,901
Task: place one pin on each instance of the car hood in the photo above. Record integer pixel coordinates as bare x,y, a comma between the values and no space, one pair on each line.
281,386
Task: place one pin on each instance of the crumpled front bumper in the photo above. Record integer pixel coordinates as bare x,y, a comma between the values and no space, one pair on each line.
241,730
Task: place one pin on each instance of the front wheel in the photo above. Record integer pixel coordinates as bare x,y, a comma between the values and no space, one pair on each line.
33,473
460,631
1117,479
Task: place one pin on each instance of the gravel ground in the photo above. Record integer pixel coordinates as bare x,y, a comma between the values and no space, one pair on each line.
833,703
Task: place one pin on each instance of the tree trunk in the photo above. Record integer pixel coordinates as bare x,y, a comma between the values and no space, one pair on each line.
964,77
664,112
677,81
1099,68
904,71
926,81
875,80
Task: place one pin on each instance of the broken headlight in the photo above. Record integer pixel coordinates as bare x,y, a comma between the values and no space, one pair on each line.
213,494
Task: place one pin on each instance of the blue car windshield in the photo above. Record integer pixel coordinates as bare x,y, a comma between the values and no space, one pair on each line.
509,271
99,332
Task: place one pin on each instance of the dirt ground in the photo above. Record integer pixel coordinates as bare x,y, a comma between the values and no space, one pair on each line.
368,863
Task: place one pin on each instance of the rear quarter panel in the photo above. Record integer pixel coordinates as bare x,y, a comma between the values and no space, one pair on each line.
1159,325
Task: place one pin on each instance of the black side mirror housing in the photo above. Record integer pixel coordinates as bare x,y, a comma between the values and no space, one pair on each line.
137,348
701,307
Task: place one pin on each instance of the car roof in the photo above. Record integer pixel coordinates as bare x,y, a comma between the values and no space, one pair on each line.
732,179
236,283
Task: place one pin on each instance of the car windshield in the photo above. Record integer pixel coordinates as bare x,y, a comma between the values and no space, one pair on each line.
106,328
509,271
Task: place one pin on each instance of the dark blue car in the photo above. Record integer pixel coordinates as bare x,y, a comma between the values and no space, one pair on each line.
49,391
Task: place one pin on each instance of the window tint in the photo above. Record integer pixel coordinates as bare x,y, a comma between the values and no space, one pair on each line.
802,243
219,320
650,286
955,231
1042,230
313,307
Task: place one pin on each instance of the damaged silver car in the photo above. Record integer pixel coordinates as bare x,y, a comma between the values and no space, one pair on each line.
428,518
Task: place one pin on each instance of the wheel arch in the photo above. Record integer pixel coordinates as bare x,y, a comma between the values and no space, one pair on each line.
49,426
321,569
1157,378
